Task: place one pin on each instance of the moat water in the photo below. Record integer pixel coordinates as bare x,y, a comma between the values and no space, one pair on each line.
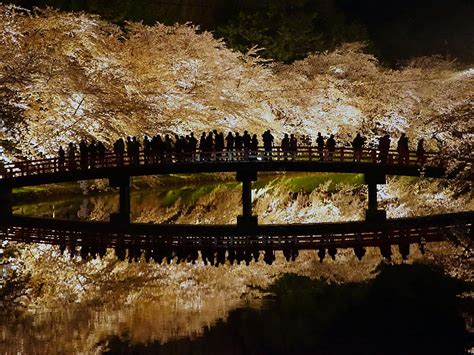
53,304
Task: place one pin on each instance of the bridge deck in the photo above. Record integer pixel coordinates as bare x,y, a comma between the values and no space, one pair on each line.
308,159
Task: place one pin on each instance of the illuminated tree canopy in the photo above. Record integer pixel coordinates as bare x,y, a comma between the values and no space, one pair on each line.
64,76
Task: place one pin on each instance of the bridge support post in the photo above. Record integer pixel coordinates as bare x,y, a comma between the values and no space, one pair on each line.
373,214
247,219
6,204
123,216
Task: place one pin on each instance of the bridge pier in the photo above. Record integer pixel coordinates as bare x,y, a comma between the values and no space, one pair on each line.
6,202
247,219
123,183
373,214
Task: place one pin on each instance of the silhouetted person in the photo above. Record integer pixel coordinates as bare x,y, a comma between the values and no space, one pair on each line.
187,148
158,147
331,146
71,157
268,144
285,146
167,149
135,151
357,145
209,146
246,143
219,137
238,145
202,146
84,152
293,146
147,151
384,148
129,145
177,148
403,150
320,144
193,146
119,150
92,154
229,140
61,158
254,147
101,151
420,152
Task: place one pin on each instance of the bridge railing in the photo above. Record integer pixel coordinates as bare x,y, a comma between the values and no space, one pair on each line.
303,153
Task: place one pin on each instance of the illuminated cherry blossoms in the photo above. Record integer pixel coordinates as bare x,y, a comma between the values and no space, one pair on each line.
70,75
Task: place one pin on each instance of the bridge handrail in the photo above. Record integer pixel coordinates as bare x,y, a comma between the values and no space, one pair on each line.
303,153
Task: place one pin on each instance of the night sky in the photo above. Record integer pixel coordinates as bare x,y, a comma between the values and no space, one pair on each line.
395,30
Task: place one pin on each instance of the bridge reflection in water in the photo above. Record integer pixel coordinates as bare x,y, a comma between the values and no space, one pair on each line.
245,240
218,243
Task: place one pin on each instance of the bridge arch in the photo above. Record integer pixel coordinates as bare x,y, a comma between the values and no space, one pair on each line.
246,167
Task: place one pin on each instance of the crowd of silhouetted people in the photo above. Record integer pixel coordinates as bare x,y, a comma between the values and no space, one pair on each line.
215,146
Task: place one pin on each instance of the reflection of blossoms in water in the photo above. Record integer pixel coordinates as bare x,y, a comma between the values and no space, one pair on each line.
73,305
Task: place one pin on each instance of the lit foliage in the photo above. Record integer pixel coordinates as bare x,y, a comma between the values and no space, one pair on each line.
66,76
69,75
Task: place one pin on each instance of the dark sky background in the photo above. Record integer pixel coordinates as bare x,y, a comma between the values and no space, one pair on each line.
396,30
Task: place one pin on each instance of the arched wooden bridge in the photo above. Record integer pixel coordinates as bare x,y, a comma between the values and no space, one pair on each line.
376,230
